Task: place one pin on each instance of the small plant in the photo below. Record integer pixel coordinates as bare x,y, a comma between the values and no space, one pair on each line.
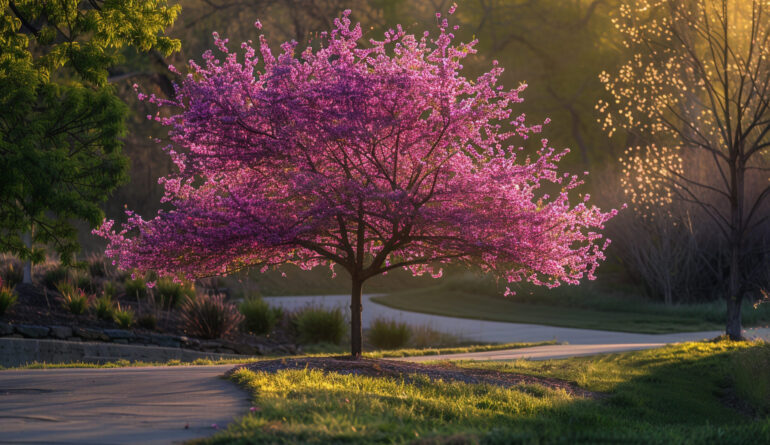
7,297
75,300
259,317
124,317
52,277
136,287
389,334
97,266
317,324
104,308
12,274
208,316
85,282
171,294
147,320
109,289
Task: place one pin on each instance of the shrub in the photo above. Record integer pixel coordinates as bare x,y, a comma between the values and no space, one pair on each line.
55,275
124,317
208,316
97,266
75,300
7,297
172,294
317,324
147,320
12,273
388,334
109,289
259,317
136,287
104,308
85,282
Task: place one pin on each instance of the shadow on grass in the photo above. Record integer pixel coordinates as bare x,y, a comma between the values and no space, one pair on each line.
672,395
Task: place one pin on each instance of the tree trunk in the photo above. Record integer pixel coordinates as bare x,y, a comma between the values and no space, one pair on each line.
734,298
356,329
27,239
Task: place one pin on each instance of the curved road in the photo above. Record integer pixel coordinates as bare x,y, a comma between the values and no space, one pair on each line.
162,405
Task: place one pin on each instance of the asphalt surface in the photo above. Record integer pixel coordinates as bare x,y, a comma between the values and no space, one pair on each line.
158,405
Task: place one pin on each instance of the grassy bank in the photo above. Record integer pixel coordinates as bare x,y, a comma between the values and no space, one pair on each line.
679,394
586,306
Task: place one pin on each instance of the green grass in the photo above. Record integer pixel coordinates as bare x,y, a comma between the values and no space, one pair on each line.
569,307
668,395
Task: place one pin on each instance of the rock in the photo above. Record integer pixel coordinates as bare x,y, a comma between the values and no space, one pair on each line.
6,329
225,351
120,341
76,339
61,332
121,334
90,334
240,348
168,341
210,345
32,331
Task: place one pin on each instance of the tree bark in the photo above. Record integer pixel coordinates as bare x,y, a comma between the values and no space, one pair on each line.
734,330
356,328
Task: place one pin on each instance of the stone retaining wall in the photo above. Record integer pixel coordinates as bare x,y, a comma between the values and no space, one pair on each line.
21,351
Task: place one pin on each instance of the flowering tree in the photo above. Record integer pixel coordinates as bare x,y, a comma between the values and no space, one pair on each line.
368,157
695,94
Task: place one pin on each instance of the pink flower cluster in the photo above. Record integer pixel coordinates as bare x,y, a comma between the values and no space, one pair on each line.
370,156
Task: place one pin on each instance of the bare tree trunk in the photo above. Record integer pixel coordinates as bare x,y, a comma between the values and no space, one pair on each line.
27,239
356,329
734,329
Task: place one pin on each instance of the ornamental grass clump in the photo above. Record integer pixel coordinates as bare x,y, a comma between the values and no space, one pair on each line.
259,317
104,308
8,297
388,334
315,324
210,317
173,294
124,317
74,299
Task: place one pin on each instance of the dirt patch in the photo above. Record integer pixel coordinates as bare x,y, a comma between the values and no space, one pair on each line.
394,368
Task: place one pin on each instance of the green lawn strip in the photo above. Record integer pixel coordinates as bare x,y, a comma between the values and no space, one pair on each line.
234,361
668,395
462,304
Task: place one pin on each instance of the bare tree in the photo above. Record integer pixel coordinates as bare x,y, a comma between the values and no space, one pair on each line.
696,91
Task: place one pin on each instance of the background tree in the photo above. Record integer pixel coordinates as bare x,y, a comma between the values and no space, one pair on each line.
60,122
370,157
695,94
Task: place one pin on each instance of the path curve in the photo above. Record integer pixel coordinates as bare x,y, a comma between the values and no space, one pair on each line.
116,406
501,332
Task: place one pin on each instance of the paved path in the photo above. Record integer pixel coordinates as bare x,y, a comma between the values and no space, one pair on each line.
116,406
502,332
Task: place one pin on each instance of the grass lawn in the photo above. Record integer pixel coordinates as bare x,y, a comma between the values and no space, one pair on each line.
581,310
690,393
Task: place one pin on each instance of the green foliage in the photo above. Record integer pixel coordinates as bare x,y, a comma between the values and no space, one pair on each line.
259,317
11,273
109,289
85,282
667,395
61,157
209,316
55,275
172,295
315,324
124,317
388,334
74,299
136,287
7,297
104,308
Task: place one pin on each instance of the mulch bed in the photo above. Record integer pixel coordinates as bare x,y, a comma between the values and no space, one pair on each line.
394,368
